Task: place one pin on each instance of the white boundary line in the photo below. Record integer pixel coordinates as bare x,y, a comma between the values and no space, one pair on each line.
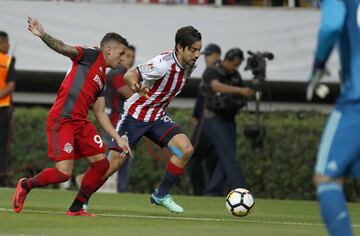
185,218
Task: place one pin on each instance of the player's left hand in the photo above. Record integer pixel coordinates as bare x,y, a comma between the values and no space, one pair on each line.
141,89
314,85
124,145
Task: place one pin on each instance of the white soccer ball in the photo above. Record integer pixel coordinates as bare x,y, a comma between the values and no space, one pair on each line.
239,202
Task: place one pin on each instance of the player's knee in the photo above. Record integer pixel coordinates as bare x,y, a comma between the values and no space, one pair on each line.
115,162
188,150
320,179
103,166
62,176
65,171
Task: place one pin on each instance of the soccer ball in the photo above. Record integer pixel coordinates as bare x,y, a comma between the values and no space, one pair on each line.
239,202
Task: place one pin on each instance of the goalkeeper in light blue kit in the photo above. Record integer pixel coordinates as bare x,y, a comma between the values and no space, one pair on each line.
339,151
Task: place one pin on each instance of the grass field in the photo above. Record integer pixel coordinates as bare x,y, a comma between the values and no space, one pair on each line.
131,214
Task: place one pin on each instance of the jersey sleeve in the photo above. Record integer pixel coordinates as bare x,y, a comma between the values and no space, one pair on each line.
333,14
87,55
153,69
80,55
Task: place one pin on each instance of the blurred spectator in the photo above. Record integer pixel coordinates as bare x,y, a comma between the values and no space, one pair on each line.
116,90
203,149
280,3
7,86
116,93
315,3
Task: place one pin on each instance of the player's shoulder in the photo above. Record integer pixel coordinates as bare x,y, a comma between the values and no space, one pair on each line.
88,49
88,54
163,61
92,50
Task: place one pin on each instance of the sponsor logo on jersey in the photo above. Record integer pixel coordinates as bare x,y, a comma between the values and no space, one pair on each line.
166,119
68,148
97,79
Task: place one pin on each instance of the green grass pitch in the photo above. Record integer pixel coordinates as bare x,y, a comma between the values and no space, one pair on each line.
132,214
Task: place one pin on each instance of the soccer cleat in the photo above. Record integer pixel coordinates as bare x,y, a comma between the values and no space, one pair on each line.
166,202
19,197
81,212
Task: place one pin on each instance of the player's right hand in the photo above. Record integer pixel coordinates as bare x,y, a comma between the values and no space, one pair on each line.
35,27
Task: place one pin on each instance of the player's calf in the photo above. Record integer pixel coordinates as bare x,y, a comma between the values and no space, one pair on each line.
91,182
335,216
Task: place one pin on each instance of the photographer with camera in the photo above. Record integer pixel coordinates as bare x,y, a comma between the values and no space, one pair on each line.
225,95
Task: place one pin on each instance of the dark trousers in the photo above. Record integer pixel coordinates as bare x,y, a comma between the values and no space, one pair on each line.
123,175
204,156
5,127
222,134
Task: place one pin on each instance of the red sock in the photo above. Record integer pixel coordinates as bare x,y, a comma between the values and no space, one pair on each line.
171,176
173,169
46,177
92,179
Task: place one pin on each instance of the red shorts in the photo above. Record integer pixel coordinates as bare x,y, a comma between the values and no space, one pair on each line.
70,139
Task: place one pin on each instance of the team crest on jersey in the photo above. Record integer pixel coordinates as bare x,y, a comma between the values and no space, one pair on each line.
68,148
146,68
97,79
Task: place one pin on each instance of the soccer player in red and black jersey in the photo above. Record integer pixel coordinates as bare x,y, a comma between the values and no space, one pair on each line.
70,134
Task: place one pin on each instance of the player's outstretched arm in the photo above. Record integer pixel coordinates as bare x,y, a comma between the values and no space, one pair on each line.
102,117
57,45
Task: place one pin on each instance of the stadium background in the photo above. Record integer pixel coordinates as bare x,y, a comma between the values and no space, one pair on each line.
293,126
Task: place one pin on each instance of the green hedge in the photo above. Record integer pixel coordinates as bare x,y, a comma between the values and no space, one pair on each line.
283,170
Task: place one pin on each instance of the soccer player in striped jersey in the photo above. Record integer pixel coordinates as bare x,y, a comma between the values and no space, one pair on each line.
339,151
70,134
156,83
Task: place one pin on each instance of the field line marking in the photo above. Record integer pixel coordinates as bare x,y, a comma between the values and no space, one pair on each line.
185,218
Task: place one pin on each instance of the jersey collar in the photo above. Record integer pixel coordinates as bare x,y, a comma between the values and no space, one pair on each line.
177,62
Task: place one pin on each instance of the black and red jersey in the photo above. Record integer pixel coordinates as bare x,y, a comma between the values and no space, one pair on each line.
82,85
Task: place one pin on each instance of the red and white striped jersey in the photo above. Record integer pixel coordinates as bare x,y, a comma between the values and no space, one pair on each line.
165,78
